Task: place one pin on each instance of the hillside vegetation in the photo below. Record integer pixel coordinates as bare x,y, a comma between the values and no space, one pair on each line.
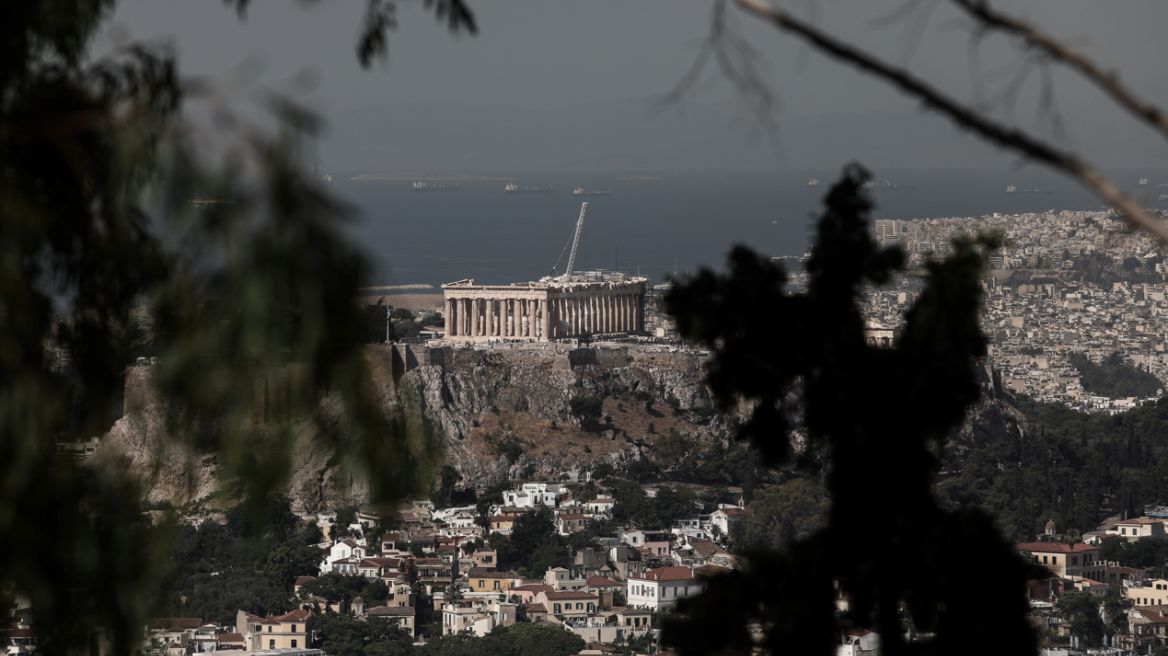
1114,378
1071,467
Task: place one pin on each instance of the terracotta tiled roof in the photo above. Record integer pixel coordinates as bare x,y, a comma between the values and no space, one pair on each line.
1154,614
534,588
230,637
298,615
705,548
381,562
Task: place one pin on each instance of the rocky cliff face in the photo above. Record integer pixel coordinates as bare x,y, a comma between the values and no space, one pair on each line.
471,401
448,399
539,391
146,446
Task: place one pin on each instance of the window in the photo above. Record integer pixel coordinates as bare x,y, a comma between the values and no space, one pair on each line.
482,584
293,631
1044,560
556,609
1123,531
1075,560
1054,560
496,585
271,644
294,644
269,629
579,606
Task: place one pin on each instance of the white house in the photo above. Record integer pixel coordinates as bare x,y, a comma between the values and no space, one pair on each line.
342,550
530,495
659,589
859,642
1139,528
724,517
602,506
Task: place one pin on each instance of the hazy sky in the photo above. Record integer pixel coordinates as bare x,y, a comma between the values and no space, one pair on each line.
542,54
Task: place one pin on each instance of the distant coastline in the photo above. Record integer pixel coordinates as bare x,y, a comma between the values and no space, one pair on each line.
426,175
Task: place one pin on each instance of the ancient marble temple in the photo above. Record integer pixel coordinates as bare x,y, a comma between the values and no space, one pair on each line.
590,303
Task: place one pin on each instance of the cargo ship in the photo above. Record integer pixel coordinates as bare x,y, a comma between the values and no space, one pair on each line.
888,186
1012,190
580,192
422,186
516,189
813,182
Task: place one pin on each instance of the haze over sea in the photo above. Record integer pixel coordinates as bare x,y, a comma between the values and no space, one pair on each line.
657,223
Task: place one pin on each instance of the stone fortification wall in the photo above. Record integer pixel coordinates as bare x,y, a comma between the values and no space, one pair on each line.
452,360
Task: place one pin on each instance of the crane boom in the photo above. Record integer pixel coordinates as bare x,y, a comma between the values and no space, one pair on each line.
575,243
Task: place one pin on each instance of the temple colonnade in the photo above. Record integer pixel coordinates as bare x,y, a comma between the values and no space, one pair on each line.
543,311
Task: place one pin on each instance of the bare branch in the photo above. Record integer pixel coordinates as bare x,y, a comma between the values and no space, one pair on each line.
997,133
1107,81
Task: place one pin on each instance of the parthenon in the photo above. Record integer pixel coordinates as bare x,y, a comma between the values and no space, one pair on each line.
590,303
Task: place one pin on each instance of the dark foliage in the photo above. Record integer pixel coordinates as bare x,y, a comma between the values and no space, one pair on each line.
900,402
379,329
1070,467
588,410
338,587
344,635
524,639
1114,378
534,544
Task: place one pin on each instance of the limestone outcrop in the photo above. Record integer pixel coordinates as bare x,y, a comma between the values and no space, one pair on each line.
469,401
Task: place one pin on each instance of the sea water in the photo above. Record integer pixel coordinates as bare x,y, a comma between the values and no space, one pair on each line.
654,224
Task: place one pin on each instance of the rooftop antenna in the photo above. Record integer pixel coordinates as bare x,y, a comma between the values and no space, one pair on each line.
575,244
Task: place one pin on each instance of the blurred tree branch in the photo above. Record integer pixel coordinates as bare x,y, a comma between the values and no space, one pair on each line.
252,295
965,115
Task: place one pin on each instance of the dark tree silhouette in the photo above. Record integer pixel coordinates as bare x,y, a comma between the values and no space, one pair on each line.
879,417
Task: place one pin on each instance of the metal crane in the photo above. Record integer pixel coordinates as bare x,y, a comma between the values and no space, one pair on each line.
575,243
